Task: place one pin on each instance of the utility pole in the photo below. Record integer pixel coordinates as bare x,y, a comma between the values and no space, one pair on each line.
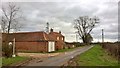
76,36
102,36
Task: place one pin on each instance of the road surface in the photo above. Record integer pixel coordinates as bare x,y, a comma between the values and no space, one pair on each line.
59,60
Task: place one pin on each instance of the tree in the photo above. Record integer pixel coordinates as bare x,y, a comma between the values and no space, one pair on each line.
11,18
89,38
84,26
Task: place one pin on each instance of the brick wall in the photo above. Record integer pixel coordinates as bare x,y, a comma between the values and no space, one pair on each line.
42,46
31,46
59,45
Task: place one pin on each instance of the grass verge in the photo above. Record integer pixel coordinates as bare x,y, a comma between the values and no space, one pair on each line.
15,60
96,56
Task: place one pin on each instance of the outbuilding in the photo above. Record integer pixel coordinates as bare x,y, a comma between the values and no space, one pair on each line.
36,41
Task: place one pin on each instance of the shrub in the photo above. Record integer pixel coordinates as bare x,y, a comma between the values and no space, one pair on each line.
112,49
7,50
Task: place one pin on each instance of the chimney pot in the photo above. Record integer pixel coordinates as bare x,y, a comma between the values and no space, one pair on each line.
60,32
51,30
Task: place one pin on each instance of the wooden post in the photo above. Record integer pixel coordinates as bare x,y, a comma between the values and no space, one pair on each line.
14,48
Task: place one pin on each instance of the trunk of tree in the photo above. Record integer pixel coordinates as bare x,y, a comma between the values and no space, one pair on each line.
84,40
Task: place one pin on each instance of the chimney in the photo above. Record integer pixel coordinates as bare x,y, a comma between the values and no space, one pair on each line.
51,30
60,32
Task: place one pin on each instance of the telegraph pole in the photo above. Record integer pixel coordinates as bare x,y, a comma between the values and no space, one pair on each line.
76,37
102,36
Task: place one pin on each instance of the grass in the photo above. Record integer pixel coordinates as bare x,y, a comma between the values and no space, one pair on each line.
96,56
0,61
9,61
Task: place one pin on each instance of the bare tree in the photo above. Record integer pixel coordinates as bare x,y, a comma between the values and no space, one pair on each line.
11,18
84,25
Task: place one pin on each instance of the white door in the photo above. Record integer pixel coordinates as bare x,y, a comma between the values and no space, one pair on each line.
51,46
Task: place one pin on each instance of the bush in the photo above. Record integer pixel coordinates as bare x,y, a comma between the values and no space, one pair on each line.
112,49
7,50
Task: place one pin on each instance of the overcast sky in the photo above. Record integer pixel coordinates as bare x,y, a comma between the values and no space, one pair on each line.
60,15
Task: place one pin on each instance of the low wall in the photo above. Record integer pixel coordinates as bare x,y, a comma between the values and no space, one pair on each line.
37,55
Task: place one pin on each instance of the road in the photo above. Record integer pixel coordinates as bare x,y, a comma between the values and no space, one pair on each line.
61,59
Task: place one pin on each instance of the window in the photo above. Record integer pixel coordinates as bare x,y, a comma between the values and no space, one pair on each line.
57,38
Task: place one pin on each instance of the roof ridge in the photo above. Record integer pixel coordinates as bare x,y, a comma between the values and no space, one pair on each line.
27,32
56,33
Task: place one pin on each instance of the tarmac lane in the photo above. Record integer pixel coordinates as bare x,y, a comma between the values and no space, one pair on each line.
60,59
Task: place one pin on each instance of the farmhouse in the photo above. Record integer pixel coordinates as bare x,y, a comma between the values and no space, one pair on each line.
36,41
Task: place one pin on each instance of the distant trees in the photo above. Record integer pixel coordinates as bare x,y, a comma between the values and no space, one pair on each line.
84,25
11,18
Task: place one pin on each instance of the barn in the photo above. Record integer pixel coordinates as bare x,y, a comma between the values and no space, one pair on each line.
36,41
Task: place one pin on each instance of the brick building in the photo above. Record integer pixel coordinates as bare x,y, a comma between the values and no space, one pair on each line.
36,41
59,38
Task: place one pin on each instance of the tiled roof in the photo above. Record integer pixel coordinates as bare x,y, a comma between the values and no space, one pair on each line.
56,34
29,36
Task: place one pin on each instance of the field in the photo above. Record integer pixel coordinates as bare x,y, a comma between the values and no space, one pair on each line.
96,56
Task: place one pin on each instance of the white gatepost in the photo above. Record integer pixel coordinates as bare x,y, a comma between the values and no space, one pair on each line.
14,48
